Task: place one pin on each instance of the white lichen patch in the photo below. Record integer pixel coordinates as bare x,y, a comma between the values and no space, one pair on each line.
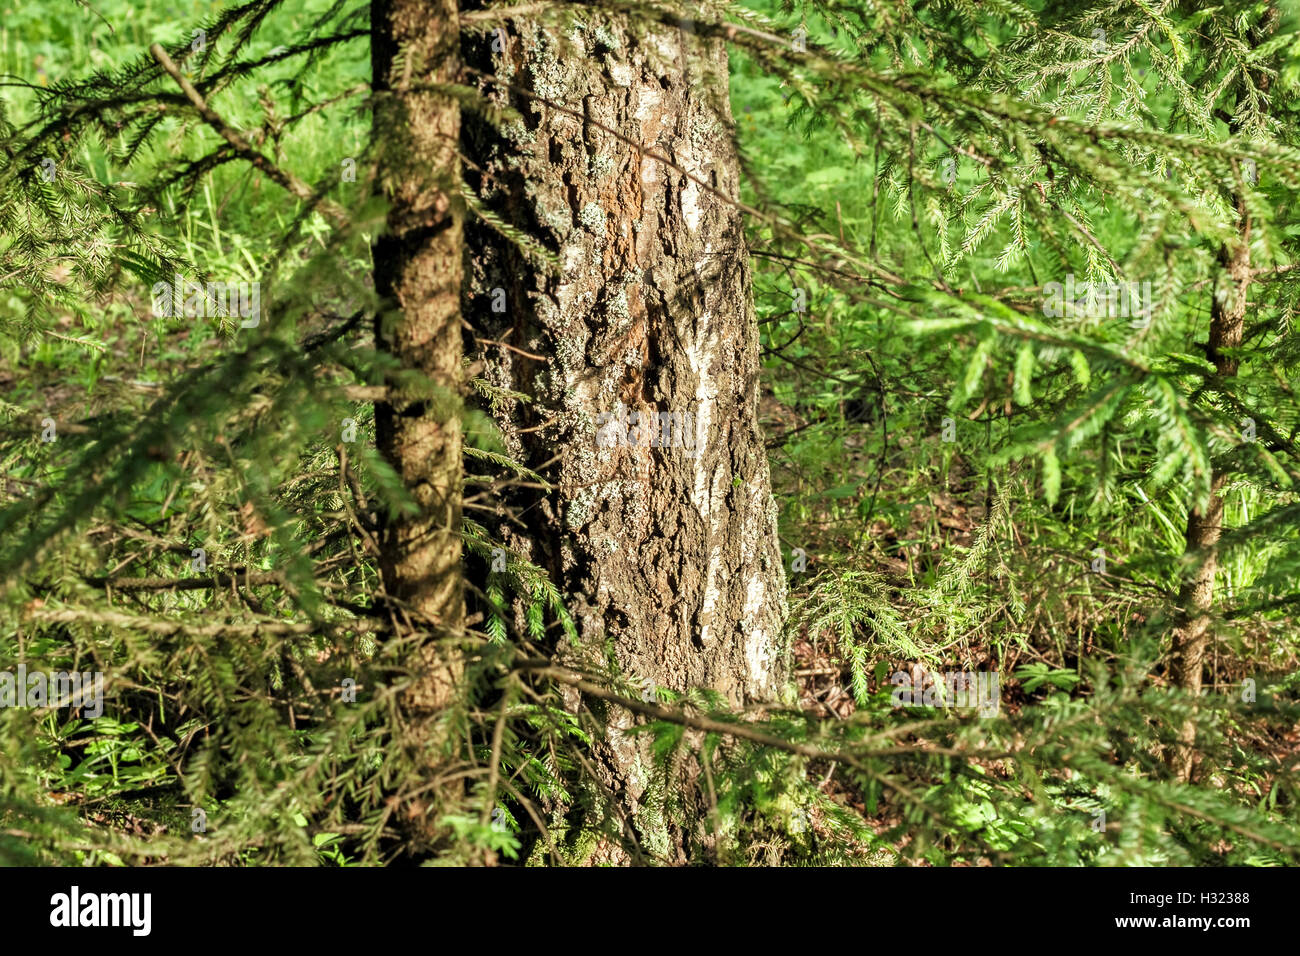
592,216
599,166
549,76
547,310
516,132
569,354
618,308
605,37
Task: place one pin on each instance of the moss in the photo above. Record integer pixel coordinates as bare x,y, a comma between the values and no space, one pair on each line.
650,822
584,846
575,844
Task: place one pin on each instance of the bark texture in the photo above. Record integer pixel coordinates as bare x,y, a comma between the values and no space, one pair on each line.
1195,632
1205,525
418,275
668,558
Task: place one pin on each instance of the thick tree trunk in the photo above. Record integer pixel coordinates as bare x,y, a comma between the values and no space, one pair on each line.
418,273
662,534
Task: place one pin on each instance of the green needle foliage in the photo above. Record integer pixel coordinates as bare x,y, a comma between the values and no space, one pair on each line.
918,175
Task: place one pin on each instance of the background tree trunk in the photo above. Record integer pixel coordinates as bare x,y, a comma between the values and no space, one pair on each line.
418,275
1204,526
668,559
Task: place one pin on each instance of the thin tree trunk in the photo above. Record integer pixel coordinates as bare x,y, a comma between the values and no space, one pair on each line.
666,555
1204,526
418,273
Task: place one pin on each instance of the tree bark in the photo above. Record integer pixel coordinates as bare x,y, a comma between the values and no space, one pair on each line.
662,540
1204,525
418,273
1192,638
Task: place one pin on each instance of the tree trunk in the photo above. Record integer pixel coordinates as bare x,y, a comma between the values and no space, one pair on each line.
662,532
418,273
1204,526
1227,322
